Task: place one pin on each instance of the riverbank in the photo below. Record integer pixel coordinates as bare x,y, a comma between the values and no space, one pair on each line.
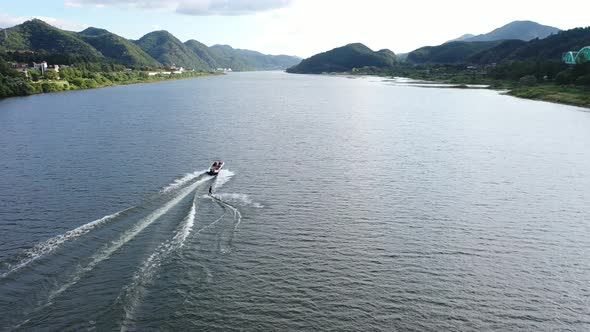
21,87
574,95
569,95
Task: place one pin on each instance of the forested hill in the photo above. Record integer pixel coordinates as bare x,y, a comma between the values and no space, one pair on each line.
546,49
38,36
37,41
449,53
550,48
117,48
167,49
344,59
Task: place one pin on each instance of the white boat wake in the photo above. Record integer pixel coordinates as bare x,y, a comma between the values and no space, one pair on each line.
50,245
132,295
127,236
182,181
239,199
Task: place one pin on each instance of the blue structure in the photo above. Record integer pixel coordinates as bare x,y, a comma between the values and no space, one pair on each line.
572,57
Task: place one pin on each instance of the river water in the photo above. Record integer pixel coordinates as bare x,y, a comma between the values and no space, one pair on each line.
345,205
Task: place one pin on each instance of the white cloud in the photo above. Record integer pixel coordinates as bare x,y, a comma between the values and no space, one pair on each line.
192,7
7,21
229,7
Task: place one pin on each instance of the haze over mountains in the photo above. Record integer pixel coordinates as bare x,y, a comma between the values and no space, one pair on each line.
155,49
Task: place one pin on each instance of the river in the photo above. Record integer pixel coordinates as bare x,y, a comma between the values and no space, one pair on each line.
345,205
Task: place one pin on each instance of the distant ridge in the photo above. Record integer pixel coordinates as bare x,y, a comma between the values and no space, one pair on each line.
240,59
521,30
472,49
462,38
36,40
550,48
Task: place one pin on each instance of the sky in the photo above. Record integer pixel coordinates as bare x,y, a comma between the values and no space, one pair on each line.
298,27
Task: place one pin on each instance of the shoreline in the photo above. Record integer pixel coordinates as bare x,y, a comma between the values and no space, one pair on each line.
51,86
569,95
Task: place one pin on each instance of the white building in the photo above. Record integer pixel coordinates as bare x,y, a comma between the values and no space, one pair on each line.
40,66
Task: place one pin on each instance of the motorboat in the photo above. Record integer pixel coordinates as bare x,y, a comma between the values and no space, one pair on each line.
215,168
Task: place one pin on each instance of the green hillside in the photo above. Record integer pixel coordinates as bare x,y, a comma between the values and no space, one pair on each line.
226,57
537,50
553,46
344,59
167,49
449,53
202,51
497,53
38,36
117,48
36,40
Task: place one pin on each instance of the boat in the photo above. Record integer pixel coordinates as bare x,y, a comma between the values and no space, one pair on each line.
215,168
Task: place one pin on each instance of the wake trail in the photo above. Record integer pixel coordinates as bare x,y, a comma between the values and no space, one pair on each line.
237,214
108,250
132,296
44,248
50,245
237,218
134,293
222,178
182,181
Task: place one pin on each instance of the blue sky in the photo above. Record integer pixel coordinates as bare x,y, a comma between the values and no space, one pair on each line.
297,27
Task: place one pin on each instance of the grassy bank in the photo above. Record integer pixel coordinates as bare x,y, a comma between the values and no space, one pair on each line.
570,95
550,90
74,80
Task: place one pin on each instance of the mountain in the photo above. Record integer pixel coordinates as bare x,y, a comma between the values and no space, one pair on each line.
203,52
497,53
462,38
522,30
168,50
550,48
36,40
240,59
343,59
449,53
38,36
117,48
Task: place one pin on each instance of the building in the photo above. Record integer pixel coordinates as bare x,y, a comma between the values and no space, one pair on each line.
42,66
20,67
53,67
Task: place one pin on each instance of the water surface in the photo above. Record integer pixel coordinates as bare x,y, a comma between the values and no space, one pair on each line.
346,204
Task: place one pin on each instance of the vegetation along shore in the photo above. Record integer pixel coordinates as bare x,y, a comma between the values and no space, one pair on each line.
36,57
549,64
